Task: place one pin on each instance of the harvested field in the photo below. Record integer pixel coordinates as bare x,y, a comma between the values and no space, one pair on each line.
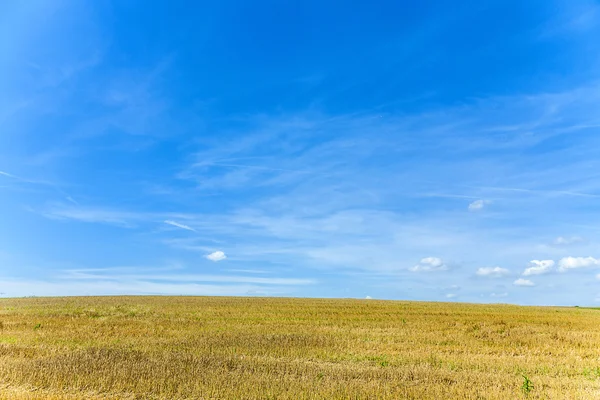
275,348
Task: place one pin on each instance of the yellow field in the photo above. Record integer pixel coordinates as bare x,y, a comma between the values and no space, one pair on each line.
269,348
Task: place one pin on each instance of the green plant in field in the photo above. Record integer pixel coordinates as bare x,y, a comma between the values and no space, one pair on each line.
592,373
452,366
37,326
527,385
8,339
380,360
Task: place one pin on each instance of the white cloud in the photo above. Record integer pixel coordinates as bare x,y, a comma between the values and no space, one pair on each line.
568,263
121,287
478,205
492,272
249,271
91,215
499,295
368,298
451,295
216,256
523,282
71,200
8,175
429,264
565,241
187,278
24,180
177,224
538,267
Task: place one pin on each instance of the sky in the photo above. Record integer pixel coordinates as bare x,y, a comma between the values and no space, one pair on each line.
438,150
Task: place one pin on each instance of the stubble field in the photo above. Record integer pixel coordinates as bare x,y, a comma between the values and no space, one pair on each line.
271,348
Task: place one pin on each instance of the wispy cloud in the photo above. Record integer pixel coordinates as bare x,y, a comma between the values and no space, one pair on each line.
249,271
577,17
179,225
72,200
95,215
9,175
540,192
141,287
566,241
46,185
229,165
25,180
188,278
170,279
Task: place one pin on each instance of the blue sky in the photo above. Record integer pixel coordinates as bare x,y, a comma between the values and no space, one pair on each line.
396,150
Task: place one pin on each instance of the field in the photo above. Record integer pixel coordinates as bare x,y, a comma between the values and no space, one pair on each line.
270,348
